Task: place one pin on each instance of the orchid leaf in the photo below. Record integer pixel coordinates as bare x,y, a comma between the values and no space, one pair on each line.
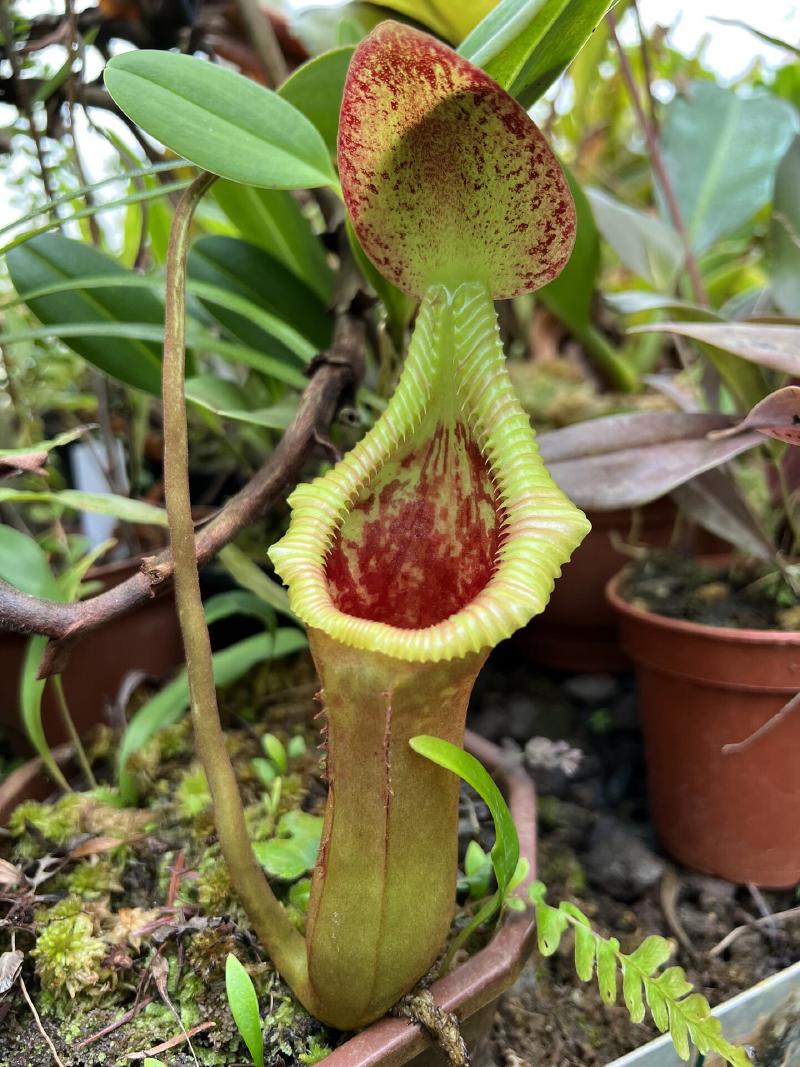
229,400
765,344
316,90
777,415
24,564
525,45
571,294
219,120
52,259
445,176
65,438
248,271
714,501
272,219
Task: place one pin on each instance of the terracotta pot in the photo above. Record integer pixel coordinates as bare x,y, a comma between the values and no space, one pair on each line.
147,639
471,990
733,814
578,631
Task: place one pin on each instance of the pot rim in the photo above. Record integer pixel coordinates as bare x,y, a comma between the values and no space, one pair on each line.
392,1042
698,629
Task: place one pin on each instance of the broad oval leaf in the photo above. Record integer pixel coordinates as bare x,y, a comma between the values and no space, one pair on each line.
445,176
766,344
219,120
294,850
525,45
448,20
316,89
52,259
646,245
24,564
721,151
784,233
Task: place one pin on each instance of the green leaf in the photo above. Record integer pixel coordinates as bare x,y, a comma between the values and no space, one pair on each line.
316,88
219,120
53,259
571,294
59,441
784,233
155,193
505,851
120,507
247,271
24,564
721,151
250,576
274,748
294,850
607,969
274,220
646,245
585,946
31,690
238,602
632,992
150,1062
477,878
550,926
243,1002
448,20
653,952
525,45
170,703
229,400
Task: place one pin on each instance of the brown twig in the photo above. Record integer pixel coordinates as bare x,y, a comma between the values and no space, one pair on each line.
764,920
42,1031
659,167
23,97
123,1020
647,67
265,42
165,1046
765,728
333,375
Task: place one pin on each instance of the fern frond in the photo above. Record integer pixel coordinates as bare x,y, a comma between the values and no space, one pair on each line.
673,1005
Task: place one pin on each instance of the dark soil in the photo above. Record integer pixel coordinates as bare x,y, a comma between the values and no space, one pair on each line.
744,595
579,738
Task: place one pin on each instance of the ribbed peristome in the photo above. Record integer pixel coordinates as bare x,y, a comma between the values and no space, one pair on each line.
454,372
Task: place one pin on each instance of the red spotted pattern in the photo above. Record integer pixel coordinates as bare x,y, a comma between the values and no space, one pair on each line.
421,541
445,176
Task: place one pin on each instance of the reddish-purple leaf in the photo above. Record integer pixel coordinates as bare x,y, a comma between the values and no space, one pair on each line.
445,176
777,415
626,461
766,344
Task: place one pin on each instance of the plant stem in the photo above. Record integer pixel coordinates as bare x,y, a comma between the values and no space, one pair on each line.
265,42
608,360
74,736
283,942
659,168
789,507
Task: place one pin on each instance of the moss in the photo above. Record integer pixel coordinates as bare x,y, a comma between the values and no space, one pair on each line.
68,955
56,823
192,796
93,878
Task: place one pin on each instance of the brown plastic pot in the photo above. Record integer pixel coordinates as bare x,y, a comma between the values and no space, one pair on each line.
147,639
578,632
732,814
471,991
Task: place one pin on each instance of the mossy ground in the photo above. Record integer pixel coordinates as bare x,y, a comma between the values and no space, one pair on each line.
134,893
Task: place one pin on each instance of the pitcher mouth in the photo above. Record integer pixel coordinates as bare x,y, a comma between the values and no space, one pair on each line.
441,532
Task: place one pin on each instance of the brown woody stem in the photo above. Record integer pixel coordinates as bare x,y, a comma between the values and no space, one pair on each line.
284,944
